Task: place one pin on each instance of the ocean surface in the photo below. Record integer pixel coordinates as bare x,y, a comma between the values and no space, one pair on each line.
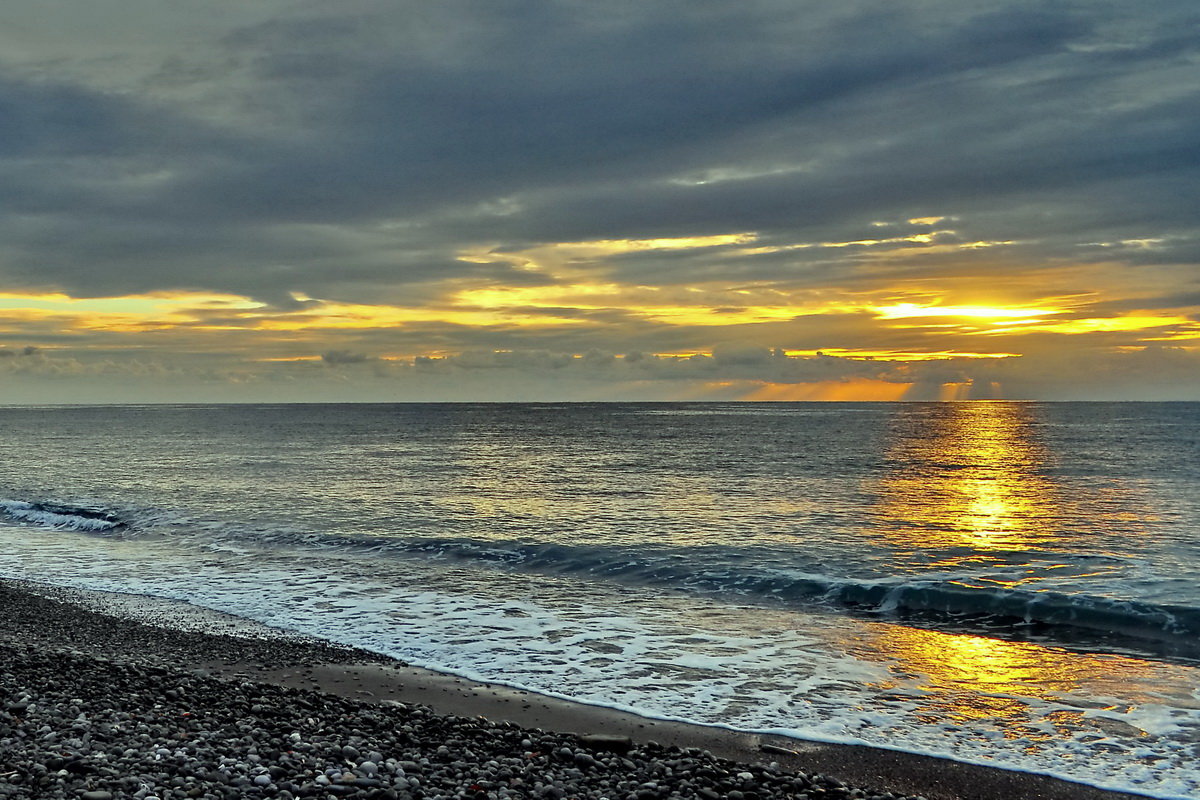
1012,584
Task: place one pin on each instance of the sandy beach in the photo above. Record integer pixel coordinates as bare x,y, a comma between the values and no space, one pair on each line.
70,647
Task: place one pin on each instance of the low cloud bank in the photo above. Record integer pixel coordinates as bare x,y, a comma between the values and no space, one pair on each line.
1155,372
730,373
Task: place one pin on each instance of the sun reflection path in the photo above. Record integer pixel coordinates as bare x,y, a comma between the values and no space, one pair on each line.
969,498
1026,691
968,476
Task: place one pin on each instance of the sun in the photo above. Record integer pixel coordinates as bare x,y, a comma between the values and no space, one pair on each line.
998,313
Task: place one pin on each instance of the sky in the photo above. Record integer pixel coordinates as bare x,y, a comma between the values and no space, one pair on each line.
222,201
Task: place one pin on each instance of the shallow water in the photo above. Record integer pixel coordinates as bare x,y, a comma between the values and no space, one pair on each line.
1006,583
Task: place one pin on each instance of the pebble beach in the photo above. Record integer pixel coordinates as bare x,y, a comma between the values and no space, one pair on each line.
98,706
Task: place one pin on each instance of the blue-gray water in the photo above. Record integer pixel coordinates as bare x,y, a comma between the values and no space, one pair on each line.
1006,583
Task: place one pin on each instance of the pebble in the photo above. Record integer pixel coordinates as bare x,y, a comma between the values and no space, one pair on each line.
133,725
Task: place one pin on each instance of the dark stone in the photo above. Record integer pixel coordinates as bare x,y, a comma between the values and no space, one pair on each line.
603,741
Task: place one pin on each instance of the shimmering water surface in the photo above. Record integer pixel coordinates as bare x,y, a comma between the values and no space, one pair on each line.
1007,583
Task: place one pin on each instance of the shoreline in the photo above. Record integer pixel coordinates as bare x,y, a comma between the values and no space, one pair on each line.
115,631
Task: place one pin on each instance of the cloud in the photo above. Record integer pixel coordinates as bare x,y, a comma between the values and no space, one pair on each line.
1162,372
342,357
310,159
567,111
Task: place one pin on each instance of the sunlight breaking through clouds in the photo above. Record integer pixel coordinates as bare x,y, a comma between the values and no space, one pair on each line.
911,310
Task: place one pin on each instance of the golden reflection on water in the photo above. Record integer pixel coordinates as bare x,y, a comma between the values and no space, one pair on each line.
968,475
969,485
964,679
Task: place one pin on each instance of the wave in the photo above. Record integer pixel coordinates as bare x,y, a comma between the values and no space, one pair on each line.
947,599
752,576
62,517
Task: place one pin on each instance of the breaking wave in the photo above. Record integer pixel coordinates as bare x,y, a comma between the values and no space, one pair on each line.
61,517
749,576
946,598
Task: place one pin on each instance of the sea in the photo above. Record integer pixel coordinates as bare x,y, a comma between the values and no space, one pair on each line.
1001,583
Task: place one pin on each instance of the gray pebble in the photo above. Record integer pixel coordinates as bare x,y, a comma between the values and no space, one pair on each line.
134,726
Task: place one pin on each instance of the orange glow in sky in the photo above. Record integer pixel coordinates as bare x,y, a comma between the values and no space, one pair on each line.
877,335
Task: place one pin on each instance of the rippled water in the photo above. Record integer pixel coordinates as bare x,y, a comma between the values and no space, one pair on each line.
1007,583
